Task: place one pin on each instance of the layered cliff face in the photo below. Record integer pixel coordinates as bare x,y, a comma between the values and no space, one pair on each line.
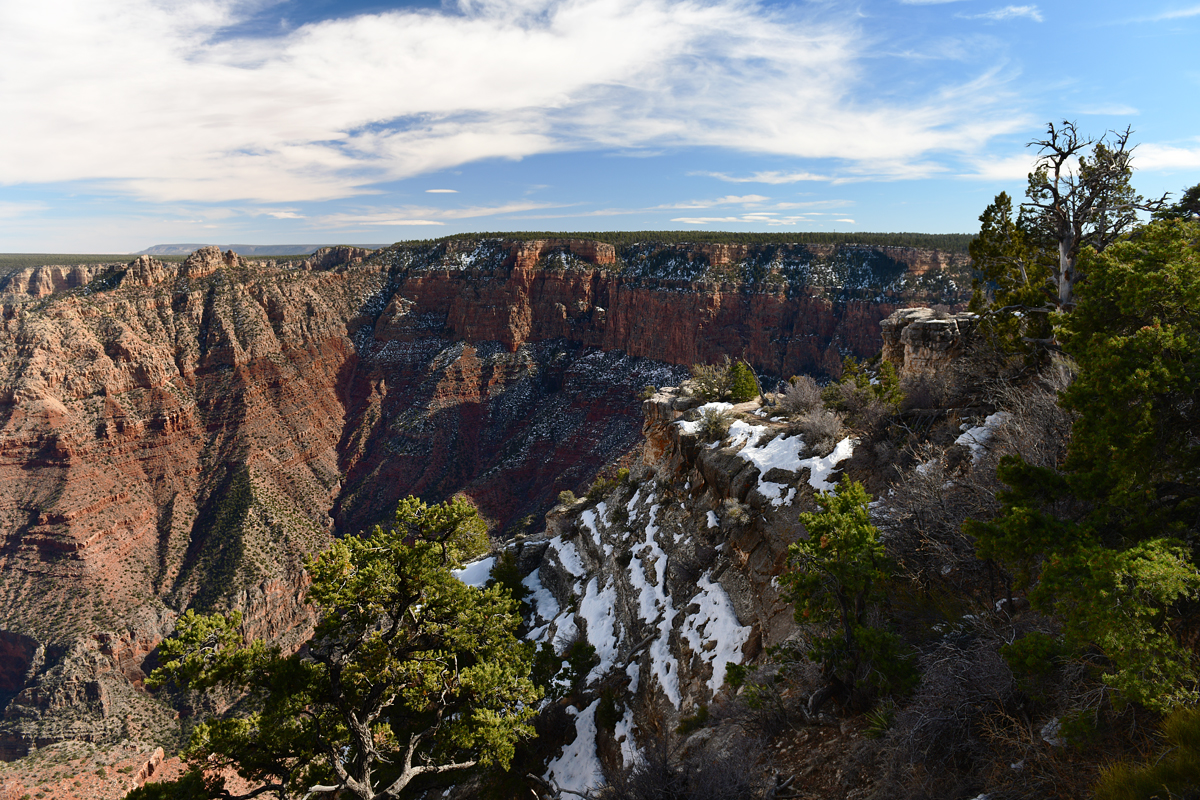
183,435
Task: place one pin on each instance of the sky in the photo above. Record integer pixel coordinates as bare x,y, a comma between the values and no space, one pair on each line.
129,123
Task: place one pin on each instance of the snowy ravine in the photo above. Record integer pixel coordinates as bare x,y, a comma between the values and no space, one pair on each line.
670,577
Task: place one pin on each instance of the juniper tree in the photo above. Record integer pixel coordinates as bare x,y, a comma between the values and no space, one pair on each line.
410,673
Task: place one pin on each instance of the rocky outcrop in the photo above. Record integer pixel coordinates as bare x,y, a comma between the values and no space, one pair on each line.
925,342
34,283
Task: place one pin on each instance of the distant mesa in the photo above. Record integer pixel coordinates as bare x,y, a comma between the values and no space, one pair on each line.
244,249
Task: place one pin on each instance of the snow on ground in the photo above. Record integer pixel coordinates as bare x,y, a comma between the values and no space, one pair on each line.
782,452
578,768
821,468
598,609
634,671
977,438
588,518
647,575
568,556
623,734
716,622
476,573
713,522
694,425
545,607
566,631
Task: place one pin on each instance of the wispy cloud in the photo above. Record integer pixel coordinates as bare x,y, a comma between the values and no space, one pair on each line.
441,191
1114,110
1006,13
145,97
419,215
728,200
771,177
1181,13
926,2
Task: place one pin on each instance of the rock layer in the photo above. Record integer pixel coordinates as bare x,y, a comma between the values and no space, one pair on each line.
183,435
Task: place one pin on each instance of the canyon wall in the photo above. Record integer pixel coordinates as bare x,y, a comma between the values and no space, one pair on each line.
184,435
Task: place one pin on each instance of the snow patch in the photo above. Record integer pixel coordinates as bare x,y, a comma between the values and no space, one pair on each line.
545,607
568,556
578,768
694,425
598,609
588,518
976,439
821,468
715,622
476,573
623,734
713,522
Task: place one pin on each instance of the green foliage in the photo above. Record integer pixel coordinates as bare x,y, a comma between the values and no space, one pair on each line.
1011,280
648,391
1173,773
743,386
507,576
193,785
409,672
836,578
1187,208
1033,655
693,722
735,675
865,399
714,424
566,498
711,381
547,666
607,713
879,720
1135,336
603,486
1106,546
579,660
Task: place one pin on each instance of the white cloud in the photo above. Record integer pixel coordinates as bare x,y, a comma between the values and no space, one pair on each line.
1009,168
441,191
285,215
845,220
727,200
1164,157
926,2
770,176
1110,110
1182,13
1008,12
145,96
418,215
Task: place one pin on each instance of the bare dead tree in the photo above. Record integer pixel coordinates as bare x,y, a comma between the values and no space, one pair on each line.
1079,200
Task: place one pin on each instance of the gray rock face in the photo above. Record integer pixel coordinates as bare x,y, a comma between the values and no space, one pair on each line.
921,341
671,577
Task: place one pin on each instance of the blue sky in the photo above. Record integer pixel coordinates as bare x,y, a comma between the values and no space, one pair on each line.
134,122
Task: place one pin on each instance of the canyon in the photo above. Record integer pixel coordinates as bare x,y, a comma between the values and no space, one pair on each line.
184,435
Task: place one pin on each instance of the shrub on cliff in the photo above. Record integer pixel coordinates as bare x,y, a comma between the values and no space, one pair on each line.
714,424
731,381
711,381
409,673
836,578
801,395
